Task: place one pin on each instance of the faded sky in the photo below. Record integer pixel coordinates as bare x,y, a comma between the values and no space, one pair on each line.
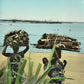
59,10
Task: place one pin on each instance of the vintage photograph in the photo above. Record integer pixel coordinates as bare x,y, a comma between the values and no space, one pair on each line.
41,41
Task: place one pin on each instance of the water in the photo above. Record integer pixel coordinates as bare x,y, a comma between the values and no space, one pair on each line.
35,31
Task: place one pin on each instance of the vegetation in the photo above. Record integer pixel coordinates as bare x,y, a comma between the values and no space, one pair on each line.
32,79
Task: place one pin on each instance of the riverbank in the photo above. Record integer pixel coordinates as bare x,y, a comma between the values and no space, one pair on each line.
74,68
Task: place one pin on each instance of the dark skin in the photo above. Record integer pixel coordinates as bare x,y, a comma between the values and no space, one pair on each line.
56,56
15,50
45,61
14,67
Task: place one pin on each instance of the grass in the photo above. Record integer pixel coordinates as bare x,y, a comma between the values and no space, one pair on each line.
9,77
32,78
2,71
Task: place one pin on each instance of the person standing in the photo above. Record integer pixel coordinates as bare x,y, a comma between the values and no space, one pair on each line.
15,58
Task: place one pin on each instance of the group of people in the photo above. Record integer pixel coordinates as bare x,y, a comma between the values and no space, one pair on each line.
58,70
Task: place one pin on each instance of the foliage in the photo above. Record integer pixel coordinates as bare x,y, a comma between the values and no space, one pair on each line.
32,78
9,77
2,71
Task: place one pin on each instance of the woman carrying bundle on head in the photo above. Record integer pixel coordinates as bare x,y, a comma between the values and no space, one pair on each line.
16,56
58,70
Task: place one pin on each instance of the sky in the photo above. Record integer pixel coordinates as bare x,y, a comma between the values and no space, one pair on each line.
53,10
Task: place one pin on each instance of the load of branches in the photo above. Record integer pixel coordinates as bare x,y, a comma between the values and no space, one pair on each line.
16,38
62,42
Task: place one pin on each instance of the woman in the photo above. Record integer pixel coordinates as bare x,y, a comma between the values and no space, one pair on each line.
58,70
15,58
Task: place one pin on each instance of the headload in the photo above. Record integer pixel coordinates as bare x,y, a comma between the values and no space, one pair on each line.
62,42
16,38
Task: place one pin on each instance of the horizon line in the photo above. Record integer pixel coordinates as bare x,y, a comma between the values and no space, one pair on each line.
31,20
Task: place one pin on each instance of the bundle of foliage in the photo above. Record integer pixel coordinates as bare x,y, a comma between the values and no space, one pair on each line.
16,38
63,42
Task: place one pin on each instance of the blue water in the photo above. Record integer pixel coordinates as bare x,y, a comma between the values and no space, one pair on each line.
35,31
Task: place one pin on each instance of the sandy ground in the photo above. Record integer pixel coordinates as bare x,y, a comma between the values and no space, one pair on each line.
74,68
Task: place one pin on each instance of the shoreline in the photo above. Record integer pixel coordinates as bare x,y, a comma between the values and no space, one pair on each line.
39,21
50,52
